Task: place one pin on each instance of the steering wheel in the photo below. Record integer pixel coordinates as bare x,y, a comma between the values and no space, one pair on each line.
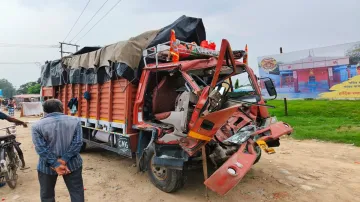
218,97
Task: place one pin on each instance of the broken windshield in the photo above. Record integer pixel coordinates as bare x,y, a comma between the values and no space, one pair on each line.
203,77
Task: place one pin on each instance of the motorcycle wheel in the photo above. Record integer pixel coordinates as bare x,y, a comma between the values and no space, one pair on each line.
12,165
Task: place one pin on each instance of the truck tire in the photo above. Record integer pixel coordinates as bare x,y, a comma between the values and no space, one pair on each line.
258,154
165,179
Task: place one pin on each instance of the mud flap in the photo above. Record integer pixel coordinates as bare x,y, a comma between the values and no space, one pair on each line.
232,171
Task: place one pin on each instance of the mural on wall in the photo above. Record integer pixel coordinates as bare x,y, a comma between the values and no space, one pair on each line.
315,73
347,89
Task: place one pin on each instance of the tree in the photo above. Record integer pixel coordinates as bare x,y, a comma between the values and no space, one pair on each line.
7,88
237,84
24,88
34,89
354,54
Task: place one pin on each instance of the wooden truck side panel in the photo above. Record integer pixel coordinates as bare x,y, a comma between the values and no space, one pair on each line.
111,103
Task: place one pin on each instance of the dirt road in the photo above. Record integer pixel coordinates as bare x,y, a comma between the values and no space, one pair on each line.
299,171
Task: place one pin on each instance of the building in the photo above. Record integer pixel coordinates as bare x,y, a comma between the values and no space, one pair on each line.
316,74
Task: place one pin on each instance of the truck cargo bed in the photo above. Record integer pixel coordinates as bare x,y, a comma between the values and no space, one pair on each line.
110,106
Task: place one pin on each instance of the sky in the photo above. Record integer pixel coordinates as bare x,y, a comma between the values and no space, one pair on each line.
263,24
337,51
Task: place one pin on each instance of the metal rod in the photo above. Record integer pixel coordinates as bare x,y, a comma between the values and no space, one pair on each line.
286,108
205,169
61,50
69,44
251,103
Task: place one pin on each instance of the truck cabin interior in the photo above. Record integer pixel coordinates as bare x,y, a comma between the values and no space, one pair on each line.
169,97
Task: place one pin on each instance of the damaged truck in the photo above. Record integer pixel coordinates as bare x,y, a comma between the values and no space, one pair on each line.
166,98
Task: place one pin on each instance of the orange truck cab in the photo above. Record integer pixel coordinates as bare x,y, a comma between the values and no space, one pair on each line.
184,111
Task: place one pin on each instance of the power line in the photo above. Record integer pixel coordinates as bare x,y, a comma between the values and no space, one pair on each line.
19,63
98,21
89,21
9,45
76,20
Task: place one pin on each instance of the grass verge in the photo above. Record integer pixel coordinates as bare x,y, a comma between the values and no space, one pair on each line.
328,120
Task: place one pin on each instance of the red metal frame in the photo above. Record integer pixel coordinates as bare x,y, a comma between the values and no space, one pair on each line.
225,48
183,67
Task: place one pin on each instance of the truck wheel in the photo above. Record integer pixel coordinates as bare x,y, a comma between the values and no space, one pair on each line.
83,147
165,179
258,154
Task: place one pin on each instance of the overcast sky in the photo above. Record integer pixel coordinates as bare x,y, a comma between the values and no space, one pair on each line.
264,25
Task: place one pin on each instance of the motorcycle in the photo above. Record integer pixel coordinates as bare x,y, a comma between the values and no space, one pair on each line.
11,157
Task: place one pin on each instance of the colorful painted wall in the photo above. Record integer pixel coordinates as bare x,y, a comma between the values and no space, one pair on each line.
315,73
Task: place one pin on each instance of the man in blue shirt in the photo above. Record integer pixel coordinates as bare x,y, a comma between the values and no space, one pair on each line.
58,140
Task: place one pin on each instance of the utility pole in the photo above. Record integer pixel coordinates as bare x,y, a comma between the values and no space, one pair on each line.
62,44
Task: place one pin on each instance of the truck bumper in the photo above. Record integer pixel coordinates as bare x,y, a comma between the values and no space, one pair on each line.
236,167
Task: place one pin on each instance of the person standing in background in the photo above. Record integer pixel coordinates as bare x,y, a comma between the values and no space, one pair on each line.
58,140
11,105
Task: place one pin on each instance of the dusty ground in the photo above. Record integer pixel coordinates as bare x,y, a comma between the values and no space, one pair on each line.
299,171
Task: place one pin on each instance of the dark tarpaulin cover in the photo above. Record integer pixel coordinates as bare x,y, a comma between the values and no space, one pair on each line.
87,49
89,76
52,74
187,29
55,73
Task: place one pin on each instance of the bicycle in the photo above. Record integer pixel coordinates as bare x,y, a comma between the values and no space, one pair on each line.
10,157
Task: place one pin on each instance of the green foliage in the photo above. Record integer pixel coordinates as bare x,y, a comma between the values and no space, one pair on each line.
335,121
23,89
34,89
237,84
7,88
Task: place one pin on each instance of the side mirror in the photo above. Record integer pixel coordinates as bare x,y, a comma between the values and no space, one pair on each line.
270,87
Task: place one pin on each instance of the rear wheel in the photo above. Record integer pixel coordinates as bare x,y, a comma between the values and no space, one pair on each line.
165,179
13,162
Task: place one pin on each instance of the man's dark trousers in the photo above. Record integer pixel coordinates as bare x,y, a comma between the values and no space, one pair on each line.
73,181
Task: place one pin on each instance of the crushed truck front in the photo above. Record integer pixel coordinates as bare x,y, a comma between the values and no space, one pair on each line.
192,104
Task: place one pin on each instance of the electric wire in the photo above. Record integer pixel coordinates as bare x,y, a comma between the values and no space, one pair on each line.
76,20
89,21
9,45
99,21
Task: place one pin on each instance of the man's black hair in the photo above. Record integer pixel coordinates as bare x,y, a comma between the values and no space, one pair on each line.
52,105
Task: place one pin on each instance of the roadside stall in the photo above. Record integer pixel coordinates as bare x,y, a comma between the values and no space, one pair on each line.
29,104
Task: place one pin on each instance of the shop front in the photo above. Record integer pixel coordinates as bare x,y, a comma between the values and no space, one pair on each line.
314,74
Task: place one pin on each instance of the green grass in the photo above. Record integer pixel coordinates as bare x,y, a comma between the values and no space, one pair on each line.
335,121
